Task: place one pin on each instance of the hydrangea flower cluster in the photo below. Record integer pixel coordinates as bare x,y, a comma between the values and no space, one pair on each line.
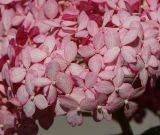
77,56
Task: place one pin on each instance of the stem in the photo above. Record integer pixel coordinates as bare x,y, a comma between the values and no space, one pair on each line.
124,123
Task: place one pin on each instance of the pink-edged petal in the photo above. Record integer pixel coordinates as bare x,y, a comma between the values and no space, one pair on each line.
107,17
98,40
125,90
112,38
92,28
143,75
90,79
88,104
40,102
81,34
29,84
153,62
98,115
29,108
78,94
52,95
22,95
26,58
111,54
39,68
17,20
146,54
106,75
50,42
41,81
51,9
52,70
2,89
64,82
105,87
130,36
129,54
70,51
119,78
95,63
68,102
106,114
82,21
86,51
7,118
130,109
6,74
74,118
114,102
76,69
7,18
17,74
37,55
6,1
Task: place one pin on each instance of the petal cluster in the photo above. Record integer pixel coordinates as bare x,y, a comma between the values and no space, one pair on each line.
76,57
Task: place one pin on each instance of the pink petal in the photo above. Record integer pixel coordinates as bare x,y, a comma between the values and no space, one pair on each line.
5,2
26,58
29,84
129,54
106,114
95,63
143,77
64,82
81,34
105,87
52,70
41,81
112,38
17,74
146,54
39,68
82,21
37,55
153,62
111,54
114,102
98,40
125,90
90,79
70,51
74,118
50,42
119,78
52,95
76,69
130,109
78,94
7,18
106,75
68,102
22,95
88,104
130,36
86,51
92,28
7,118
29,108
51,9
17,20
40,102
